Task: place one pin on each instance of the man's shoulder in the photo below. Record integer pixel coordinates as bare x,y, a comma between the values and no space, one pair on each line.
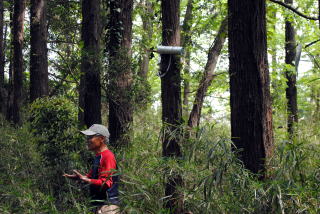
107,154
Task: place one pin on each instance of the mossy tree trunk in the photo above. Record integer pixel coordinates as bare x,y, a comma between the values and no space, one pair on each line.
186,44
146,16
291,90
119,73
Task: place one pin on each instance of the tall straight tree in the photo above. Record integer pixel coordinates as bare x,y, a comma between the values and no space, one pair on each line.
120,74
18,39
251,115
171,100
2,98
291,90
90,86
38,51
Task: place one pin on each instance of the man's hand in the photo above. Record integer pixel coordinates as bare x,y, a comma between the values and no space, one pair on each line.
72,176
81,177
77,176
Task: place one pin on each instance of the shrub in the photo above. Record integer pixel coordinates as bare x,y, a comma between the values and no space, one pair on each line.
53,121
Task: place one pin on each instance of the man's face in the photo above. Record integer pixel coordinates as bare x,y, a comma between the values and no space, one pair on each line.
94,142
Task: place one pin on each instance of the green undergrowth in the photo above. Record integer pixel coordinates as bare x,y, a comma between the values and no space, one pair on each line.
214,180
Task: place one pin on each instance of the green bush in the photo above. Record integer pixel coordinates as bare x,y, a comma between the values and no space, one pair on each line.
53,121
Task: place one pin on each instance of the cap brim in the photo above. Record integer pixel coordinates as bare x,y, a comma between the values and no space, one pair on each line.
88,132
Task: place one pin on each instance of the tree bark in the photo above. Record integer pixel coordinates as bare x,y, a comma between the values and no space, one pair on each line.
38,51
18,39
251,115
171,100
90,86
120,74
291,90
214,52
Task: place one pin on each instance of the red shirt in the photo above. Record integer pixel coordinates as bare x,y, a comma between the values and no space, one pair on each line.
106,168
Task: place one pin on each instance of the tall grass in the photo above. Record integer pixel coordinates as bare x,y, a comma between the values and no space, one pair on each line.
214,179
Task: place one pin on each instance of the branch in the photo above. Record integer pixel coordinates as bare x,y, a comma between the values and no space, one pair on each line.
294,10
311,43
61,41
312,57
63,79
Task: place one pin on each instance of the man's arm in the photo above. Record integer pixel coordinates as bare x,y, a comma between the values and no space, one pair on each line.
108,167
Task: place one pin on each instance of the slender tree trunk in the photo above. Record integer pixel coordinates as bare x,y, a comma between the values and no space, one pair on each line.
214,52
2,61
186,44
146,38
171,100
317,100
147,16
120,74
38,52
10,80
186,84
274,48
291,90
18,39
251,115
90,86
274,82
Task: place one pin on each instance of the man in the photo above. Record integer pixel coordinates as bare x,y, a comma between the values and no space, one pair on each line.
103,185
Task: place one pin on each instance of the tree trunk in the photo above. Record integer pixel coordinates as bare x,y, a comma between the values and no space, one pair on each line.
90,86
10,80
291,90
214,52
18,39
317,111
120,74
146,38
2,61
171,100
142,96
38,51
274,82
186,44
251,115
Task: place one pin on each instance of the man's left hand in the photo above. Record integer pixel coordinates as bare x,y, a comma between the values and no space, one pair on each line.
82,177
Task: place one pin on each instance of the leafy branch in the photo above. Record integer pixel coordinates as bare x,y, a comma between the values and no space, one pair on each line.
294,10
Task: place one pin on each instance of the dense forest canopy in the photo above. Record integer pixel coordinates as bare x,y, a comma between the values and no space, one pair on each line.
228,125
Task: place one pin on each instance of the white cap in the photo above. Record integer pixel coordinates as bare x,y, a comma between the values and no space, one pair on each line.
97,129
